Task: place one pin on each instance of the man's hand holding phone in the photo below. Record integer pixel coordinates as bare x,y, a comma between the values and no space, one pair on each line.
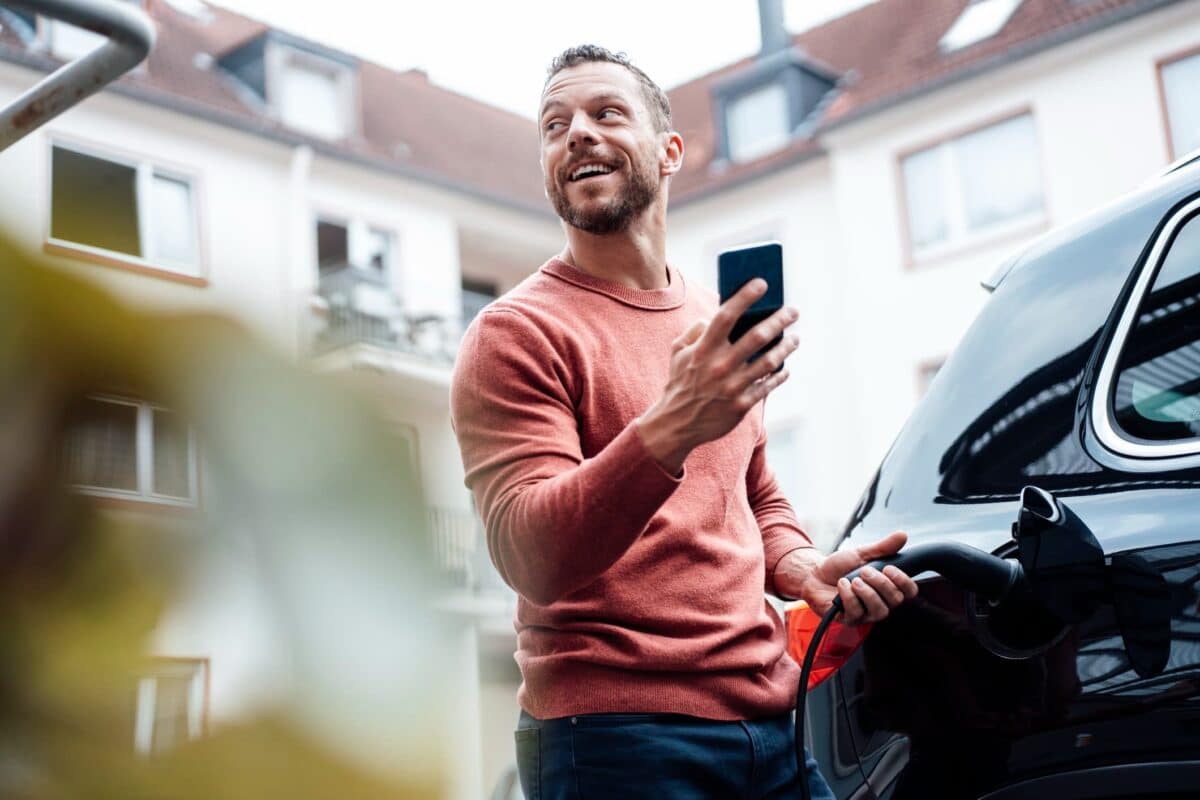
712,383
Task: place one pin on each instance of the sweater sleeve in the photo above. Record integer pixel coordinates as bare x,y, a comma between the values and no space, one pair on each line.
554,520
781,532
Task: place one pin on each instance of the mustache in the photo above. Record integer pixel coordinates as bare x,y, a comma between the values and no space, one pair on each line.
591,155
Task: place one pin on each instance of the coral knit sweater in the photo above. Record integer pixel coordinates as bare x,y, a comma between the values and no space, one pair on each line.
639,591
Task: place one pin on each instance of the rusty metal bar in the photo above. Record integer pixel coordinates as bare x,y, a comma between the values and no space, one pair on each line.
130,36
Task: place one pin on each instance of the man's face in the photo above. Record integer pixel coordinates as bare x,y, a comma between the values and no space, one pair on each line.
593,117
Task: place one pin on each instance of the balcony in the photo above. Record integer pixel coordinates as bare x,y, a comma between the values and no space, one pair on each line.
355,314
461,555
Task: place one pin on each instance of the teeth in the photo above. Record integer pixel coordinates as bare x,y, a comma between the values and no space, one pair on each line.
590,169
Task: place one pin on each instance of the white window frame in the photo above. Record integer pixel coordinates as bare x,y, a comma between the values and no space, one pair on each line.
358,232
1180,454
960,234
145,170
144,454
1174,149
281,57
147,693
767,144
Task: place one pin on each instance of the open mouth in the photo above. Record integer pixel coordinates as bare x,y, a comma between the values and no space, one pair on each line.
588,171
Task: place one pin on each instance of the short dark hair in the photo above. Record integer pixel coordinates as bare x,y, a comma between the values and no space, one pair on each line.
654,97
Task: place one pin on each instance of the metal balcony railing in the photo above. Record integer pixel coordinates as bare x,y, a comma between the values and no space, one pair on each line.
461,553
344,320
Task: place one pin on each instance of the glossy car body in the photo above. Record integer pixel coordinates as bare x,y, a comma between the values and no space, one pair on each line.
1078,345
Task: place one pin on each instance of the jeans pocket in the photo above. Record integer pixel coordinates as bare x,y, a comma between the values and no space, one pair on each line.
529,762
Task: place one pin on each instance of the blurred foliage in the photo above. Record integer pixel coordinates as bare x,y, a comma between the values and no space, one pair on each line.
305,492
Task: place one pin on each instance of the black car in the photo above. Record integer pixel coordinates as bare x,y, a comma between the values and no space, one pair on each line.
1080,377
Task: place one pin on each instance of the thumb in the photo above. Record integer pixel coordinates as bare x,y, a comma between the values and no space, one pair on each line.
888,545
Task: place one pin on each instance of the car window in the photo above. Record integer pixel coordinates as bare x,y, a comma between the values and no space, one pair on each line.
1157,392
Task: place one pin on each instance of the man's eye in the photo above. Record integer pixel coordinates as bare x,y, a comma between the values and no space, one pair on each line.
605,111
550,126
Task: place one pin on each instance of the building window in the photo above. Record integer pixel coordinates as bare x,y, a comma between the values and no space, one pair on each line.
172,705
1179,81
378,257
333,246
757,122
130,449
313,95
987,181
366,248
131,208
475,295
981,19
68,42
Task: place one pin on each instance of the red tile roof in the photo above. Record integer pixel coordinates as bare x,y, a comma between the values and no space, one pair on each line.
886,52
408,125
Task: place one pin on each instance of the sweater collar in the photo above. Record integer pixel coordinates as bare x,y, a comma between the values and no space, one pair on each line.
660,299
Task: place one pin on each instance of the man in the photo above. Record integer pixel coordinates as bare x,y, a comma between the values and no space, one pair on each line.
614,442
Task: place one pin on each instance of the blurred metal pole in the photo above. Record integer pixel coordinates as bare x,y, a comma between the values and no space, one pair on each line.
130,37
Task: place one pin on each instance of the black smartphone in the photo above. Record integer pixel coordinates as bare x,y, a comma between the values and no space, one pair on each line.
736,268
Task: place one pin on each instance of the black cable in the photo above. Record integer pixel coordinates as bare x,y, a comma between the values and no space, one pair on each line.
845,704
802,692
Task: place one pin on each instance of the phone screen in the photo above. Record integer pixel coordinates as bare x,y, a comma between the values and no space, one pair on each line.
736,268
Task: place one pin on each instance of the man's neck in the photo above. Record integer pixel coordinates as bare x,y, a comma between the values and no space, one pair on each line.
635,257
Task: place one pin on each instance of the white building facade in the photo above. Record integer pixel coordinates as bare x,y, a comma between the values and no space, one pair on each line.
350,250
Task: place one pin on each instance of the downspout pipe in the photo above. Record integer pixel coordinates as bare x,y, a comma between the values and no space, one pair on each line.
130,35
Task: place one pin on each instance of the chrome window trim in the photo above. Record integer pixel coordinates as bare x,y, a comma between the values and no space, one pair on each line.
1105,428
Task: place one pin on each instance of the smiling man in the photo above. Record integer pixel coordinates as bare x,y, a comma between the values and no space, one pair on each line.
613,439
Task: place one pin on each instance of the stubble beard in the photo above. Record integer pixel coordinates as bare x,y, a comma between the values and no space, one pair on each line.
637,194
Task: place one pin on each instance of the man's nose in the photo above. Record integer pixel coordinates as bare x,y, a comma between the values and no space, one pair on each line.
581,132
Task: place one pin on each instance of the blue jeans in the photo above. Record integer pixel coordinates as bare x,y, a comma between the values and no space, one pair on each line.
660,757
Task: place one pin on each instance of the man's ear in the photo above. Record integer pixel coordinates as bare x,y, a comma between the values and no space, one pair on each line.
672,154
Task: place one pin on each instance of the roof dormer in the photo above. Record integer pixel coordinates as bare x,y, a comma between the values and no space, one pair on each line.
308,88
761,109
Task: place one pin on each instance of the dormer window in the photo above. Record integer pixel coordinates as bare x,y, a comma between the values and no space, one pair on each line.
763,107
981,19
310,89
313,96
758,122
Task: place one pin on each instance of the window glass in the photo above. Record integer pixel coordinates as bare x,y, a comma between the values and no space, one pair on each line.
333,245
171,455
758,122
999,172
973,184
171,706
1157,395
475,295
69,42
980,20
94,202
102,447
925,195
310,100
1180,79
172,233
379,250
